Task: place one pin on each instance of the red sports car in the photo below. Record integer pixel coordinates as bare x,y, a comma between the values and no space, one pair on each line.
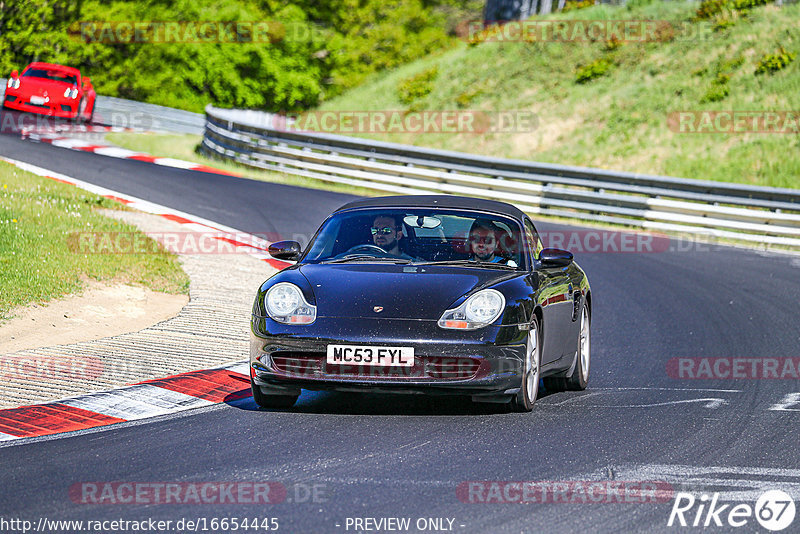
53,90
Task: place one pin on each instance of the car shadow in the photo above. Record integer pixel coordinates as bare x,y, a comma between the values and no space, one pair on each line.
340,403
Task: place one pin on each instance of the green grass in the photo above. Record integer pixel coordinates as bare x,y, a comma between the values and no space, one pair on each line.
618,120
37,263
183,146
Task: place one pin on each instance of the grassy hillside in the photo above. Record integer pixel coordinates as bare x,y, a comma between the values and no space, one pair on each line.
618,119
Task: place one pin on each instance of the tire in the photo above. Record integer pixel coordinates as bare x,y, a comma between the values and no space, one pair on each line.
271,401
580,375
529,387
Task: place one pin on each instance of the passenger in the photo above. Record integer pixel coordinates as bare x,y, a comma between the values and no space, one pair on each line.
483,245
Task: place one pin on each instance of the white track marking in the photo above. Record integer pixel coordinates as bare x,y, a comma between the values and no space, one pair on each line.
243,368
137,203
789,403
177,163
744,484
69,142
7,437
137,402
708,402
711,403
673,389
117,152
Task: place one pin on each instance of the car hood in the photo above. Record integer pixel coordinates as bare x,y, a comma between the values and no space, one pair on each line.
402,291
38,86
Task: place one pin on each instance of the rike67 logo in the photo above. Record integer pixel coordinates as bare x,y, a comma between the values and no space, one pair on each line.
774,510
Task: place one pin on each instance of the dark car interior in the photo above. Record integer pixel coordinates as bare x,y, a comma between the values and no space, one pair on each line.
423,243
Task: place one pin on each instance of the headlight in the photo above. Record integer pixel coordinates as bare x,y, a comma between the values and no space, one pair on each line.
481,309
286,304
71,93
13,83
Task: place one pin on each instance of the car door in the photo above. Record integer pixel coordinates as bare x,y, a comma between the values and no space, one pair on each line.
555,296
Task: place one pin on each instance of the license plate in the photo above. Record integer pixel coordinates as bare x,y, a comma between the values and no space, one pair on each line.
37,100
370,355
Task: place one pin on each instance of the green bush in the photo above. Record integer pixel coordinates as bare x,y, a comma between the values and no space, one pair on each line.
595,69
772,63
418,86
573,5
324,47
463,100
718,90
711,8
743,5
723,23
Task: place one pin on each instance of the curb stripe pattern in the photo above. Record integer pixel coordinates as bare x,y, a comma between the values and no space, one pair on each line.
150,398
117,152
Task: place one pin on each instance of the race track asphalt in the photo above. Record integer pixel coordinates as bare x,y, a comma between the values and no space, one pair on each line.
379,456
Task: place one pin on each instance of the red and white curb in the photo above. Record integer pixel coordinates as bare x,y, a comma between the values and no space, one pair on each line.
147,399
123,153
153,397
246,243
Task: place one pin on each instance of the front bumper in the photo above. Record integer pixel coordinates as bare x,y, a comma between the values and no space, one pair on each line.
51,109
482,363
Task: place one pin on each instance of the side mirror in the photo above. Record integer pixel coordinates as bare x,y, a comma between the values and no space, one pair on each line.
555,257
15,74
87,81
285,250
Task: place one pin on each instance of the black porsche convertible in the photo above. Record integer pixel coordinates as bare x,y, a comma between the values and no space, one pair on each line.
432,294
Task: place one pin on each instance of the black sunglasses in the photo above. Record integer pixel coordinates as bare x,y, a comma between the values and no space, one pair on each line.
386,230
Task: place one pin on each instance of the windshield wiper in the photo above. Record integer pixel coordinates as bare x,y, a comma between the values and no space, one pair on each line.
368,258
470,262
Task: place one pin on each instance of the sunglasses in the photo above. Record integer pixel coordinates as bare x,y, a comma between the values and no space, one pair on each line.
385,230
486,240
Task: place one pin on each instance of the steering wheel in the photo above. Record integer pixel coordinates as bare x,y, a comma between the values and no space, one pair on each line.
367,248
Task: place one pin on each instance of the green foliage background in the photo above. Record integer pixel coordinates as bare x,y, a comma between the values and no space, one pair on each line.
330,46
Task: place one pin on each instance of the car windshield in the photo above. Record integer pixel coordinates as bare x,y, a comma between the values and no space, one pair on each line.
419,235
51,74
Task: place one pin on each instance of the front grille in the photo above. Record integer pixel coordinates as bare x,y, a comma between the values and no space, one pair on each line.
313,365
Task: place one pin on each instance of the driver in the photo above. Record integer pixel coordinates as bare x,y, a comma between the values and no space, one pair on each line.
387,233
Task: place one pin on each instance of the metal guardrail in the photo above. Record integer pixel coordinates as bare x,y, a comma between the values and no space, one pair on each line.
766,215
119,112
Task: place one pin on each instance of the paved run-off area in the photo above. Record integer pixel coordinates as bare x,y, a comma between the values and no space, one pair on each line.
211,330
